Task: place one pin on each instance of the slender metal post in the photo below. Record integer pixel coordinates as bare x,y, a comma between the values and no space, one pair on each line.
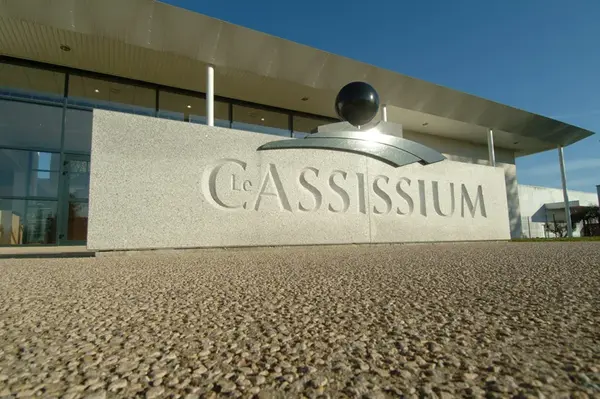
210,95
563,176
490,143
384,113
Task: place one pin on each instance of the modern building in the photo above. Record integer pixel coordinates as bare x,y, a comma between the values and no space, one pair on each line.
540,206
60,60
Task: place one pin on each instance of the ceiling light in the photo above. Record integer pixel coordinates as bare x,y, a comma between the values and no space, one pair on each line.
96,91
189,106
64,47
262,119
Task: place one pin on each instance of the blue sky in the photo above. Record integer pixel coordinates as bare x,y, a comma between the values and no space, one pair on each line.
539,55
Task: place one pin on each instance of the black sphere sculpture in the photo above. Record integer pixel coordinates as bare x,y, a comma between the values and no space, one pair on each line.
357,103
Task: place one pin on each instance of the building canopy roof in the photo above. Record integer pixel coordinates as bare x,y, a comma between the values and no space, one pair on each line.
159,43
560,205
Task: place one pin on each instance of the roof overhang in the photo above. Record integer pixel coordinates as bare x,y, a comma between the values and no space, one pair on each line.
560,205
159,43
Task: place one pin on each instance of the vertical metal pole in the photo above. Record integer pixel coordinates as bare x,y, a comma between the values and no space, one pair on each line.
598,191
157,103
563,176
210,95
384,113
529,226
490,143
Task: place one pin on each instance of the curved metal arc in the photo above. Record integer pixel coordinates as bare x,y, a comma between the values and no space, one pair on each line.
426,154
381,151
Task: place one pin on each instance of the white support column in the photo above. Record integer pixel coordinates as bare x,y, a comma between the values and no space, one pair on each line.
384,113
491,151
563,176
210,95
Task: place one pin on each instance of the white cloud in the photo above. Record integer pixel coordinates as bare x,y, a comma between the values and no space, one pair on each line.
553,168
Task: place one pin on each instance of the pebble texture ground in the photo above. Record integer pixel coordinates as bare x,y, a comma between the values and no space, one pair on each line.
443,320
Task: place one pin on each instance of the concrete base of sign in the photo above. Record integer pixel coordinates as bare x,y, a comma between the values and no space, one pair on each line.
200,250
164,184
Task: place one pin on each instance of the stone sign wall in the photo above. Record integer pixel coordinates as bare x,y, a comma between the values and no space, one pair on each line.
165,184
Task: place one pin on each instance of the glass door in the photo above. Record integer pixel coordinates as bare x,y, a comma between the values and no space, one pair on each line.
74,200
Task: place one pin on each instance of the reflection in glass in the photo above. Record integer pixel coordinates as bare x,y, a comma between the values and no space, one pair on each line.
27,222
79,179
261,121
78,130
181,107
107,94
28,173
78,221
26,125
31,83
308,125
77,168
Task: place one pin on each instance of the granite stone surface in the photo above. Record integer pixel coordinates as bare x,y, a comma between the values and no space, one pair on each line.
166,184
444,201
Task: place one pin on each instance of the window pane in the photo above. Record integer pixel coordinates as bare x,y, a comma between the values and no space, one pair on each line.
78,130
308,125
106,94
33,83
261,121
29,173
78,172
12,219
182,107
77,221
30,125
27,222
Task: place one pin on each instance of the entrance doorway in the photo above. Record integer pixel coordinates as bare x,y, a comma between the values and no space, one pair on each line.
74,200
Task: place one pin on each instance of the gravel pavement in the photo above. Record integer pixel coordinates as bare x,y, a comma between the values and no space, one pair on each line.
434,320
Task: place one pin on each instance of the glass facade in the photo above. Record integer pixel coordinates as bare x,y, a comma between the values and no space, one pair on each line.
31,83
307,125
259,120
27,221
75,198
29,173
78,130
45,140
115,96
20,129
190,108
